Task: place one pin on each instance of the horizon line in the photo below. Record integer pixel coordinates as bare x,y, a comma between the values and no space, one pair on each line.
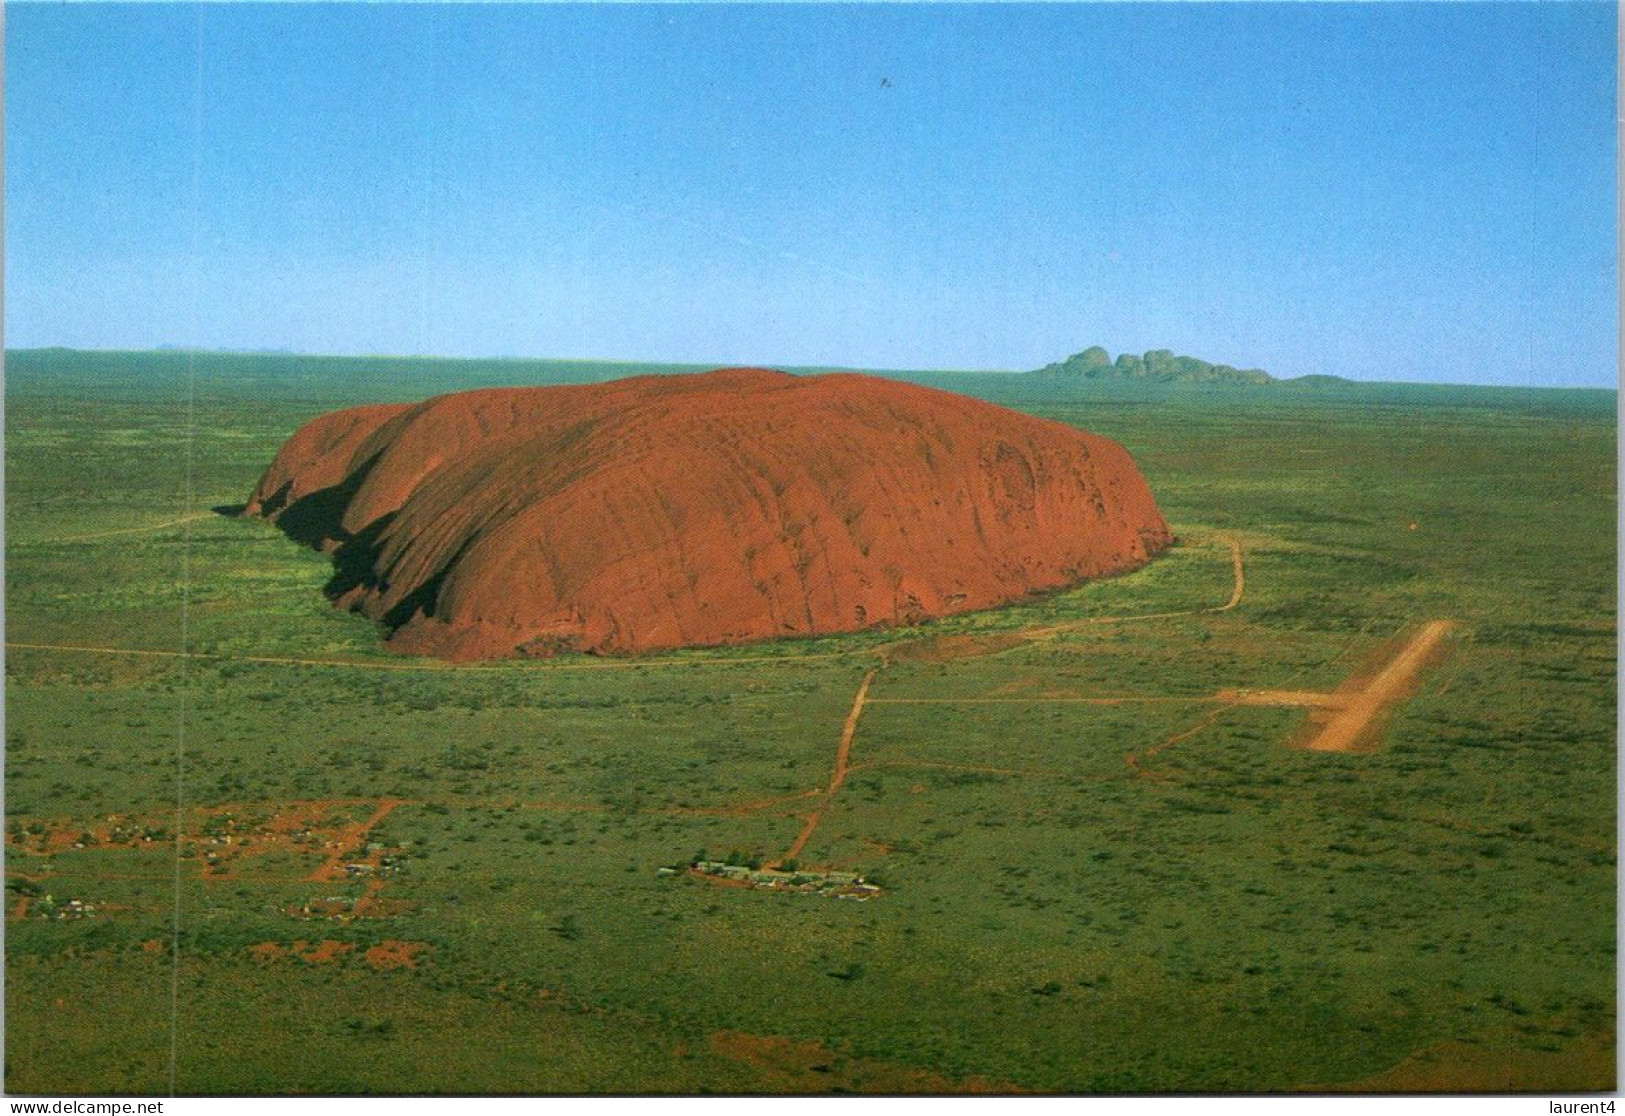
713,365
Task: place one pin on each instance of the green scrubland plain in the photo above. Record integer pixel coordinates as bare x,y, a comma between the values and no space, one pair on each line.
397,877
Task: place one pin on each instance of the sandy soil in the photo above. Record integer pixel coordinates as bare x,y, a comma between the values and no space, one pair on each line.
1349,727
389,954
395,955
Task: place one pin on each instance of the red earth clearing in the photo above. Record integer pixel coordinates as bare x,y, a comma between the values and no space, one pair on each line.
392,954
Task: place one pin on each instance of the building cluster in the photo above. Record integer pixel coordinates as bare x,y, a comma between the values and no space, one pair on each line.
46,906
842,885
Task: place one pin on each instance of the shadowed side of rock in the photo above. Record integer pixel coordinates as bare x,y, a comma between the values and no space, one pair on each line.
674,511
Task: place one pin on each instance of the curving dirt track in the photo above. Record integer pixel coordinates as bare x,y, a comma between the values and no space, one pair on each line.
1240,577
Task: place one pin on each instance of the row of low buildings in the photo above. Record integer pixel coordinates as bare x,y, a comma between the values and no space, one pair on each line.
842,885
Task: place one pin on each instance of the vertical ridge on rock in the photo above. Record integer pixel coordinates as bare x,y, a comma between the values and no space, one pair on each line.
697,510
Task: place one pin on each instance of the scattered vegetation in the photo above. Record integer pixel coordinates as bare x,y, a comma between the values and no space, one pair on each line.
1253,918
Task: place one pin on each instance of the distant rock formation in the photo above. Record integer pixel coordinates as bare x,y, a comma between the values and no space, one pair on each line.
1158,366
694,510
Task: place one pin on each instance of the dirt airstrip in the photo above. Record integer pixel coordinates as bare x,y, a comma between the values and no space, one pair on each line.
1356,713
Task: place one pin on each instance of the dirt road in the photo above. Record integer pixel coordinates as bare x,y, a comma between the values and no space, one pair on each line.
843,754
1239,585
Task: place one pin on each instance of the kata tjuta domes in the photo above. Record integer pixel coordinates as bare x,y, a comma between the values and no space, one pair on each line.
680,511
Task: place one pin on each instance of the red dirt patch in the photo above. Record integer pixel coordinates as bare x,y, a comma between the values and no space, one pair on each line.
395,955
672,511
389,954
342,845
221,837
324,952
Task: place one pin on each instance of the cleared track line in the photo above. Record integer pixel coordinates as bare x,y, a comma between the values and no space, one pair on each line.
121,530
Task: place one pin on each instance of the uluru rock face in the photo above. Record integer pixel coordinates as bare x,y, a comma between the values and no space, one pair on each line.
679,511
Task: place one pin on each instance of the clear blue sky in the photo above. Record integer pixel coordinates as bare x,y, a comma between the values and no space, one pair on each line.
1376,191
